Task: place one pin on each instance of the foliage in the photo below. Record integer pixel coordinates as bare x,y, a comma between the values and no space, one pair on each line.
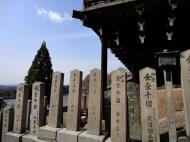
41,69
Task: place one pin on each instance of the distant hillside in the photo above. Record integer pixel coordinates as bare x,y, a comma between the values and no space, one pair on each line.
7,91
7,86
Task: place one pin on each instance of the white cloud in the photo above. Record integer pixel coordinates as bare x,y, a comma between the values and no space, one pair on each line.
53,16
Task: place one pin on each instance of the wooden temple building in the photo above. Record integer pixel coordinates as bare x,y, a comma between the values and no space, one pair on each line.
135,30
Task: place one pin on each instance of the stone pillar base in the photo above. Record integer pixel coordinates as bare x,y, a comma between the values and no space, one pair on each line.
108,139
13,137
85,137
65,135
48,133
31,138
183,139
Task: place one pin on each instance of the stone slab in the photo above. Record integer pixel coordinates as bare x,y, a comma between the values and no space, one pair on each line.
65,135
183,139
85,137
13,137
31,138
47,133
108,140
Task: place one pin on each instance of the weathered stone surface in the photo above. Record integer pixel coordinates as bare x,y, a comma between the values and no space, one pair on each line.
119,106
185,83
28,114
95,103
86,137
65,135
183,139
37,112
56,101
20,108
48,133
8,118
74,101
135,130
31,138
13,137
149,105
8,115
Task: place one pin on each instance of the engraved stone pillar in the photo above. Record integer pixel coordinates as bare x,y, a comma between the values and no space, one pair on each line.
185,84
74,100
28,114
8,118
49,132
135,129
119,106
37,112
149,105
95,103
94,110
56,101
20,115
20,108
72,131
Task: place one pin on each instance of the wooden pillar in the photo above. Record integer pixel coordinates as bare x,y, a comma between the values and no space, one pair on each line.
104,77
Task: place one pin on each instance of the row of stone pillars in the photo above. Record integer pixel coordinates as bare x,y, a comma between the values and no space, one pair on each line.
134,109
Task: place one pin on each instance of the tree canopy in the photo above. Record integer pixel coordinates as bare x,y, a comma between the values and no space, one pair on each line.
41,69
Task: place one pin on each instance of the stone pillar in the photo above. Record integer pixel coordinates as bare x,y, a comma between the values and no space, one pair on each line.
8,118
72,130
37,112
119,106
28,114
74,100
56,101
49,131
170,107
95,103
20,114
135,129
185,83
94,110
149,105
20,108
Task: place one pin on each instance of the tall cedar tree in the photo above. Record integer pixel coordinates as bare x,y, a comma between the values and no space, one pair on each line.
41,69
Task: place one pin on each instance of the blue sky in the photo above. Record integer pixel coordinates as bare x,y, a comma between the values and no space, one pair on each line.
25,24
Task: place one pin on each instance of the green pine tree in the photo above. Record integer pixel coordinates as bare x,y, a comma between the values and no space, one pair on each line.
41,69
